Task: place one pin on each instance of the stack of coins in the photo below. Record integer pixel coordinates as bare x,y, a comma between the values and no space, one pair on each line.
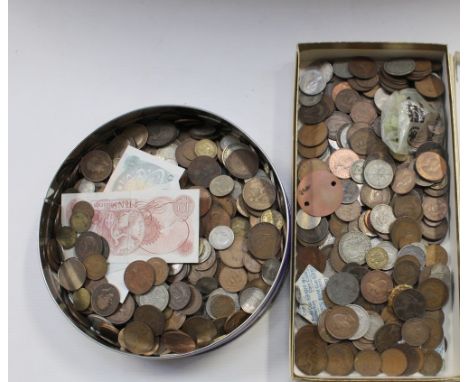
177,308
372,221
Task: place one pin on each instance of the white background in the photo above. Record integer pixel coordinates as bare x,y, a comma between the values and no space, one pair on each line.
74,65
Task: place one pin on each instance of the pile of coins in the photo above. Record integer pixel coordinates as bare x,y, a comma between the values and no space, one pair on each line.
177,308
371,221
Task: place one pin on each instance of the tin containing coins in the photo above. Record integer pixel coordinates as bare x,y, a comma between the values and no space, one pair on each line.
169,310
375,264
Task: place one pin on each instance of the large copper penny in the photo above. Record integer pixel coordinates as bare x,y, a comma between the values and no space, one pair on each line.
340,162
242,163
264,241
376,287
232,279
431,166
313,151
435,209
435,292
320,193
177,342
310,256
405,231
310,351
431,86
409,304
340,359
436,334
139,277
394,362
362,67
415,331
312,135
367,363
342,322
387,336
138,337
433,363
152,317
203,170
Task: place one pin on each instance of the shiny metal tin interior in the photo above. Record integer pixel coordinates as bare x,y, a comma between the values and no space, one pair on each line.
68,174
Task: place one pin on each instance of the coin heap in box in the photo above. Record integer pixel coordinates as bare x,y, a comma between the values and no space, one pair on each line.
372,207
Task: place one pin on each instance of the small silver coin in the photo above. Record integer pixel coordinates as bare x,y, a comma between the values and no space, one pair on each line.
222,185
157,296
309,100
312,81
364,321
250,299
375,322
357,171
353,247
380,97
351,191
378,174
270,269
382,217
306,221
221,237
400,67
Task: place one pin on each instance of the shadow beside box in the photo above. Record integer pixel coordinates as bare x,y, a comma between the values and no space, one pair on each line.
308,53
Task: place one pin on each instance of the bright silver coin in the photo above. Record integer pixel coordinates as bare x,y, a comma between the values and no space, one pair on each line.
270,269
157,296
250,299
364,321
221,237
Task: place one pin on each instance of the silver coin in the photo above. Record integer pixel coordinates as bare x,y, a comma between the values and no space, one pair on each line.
312,81
382,217
353,247
400,67
357,171
237,190
380,97
182,274
175,268
340,68
204,250
157,296
228,140
327,70
250,299
270,269
351,191
378,174
415,250
391,252
375,322
364,321
222,185
342,136
221,237
208,263
167,152
315,235
442,272
180,295
335,122
228,150
309,100
306,221
342,288
85,185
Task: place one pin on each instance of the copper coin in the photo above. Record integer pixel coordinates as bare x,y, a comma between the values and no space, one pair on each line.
310,351
406,272
259,194
312,135
435,292
394,362
436,254
415,331
364,141
342,322
367,363
317,113
138,337
314,151
405,231
88,243
337,121
310,256
431,86
362,67
409,304
320,193
338,87
72,274
96,266
242,163
124,312
404,180
431,166
216,216
263,241
96,165
407,205
433,363
364,112
138,132
310,165
201,329
414,356
161,270
436,335
340,359
434,232
235,320
178,342
205,200
376,287
220,305
152,317
340,162
345,100
202,170
139,277
387,336
337,227
234,255
232,279
185,152
435,208
105,299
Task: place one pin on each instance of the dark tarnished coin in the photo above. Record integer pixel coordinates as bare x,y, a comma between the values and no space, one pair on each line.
152,317
312,135
87,244
96,165
406,272
415,331
80,222
105,299
342,288
139,277
83,207
436,335
72,274
435,293
350,191
310,352
203,170
180,294
138,337
259,194
202,330
362,67
138,132
310,256
345,100
317,113
400,66
409,304
242,163
264,241
161,133
124,312
387,336
235,320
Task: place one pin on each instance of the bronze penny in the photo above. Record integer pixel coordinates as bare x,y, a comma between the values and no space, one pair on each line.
216,216
180,295
83,207
394,362
310,165
232,279
177,342
406,272
234,255
349,212
124,312
405,231
312,135
88,243
407,205
161,133
205,200
91,285
138,337
235,320
105,299
340,162
161,270
431,86
337,227
340,359
363,112
139,277
320,193
345,100
202,170
376,287
259,194
152,317
362,67
342,322
175,321
96,165
435,292
436,334
364,141
221,305
415,331
96,266
310,351
436,254
409,304
387,336
314,151
72,274
368,363
431,166
80,222
435,209
414,357
372,197
138,132
432,364
264,241
202,330
404,180
310,256
317,113
242,163
185,152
